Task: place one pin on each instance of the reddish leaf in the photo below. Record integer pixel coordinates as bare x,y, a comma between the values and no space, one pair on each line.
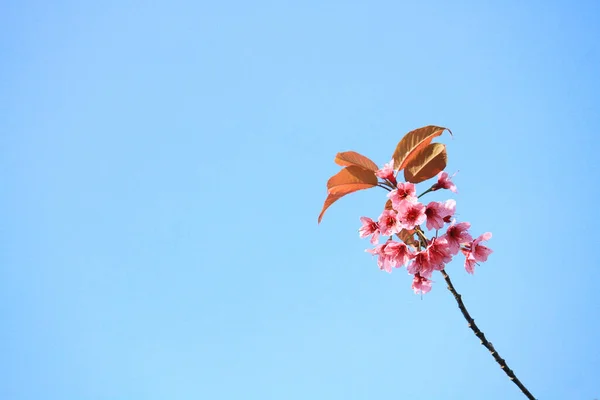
414,141
348,158
408,237
331,198
351,179
348,180
426,163
388,205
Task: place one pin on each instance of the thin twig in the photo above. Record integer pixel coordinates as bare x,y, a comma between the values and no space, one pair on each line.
484,341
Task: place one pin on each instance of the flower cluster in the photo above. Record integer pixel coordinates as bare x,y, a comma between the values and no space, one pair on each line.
404,218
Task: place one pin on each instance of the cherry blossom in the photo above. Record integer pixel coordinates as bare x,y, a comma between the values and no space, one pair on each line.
457,234
397,253
470,264
382,259
480,252
438,253
444,182
476,252
405,192
420,264
438,213
426,255
387,172
369,227
411,214
420,284
388,223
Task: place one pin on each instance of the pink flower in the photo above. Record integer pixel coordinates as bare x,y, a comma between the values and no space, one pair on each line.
420,264
404,192
475,252
411,214
388,223
450,209
438,253
420,284
470,264
444,182
387,172
369,227
480,252
383,260
457,234
397,253
437,213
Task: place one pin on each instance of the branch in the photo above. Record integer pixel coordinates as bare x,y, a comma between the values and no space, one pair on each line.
484,341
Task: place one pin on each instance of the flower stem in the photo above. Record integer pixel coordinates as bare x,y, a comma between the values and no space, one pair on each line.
488,345
422,238
425,192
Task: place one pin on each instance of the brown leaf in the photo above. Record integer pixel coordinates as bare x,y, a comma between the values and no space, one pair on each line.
427,163
408,237
331,198
348,180
351,179
348,158
388,205
414,141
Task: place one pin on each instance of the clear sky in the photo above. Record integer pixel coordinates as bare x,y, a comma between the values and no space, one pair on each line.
163,164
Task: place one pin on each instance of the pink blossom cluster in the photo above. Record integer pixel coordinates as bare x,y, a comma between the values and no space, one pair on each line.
421,255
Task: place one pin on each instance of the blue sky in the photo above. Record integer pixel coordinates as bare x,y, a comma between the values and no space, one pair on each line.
163,165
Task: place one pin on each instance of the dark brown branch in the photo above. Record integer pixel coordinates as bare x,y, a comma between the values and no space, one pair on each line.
484,341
